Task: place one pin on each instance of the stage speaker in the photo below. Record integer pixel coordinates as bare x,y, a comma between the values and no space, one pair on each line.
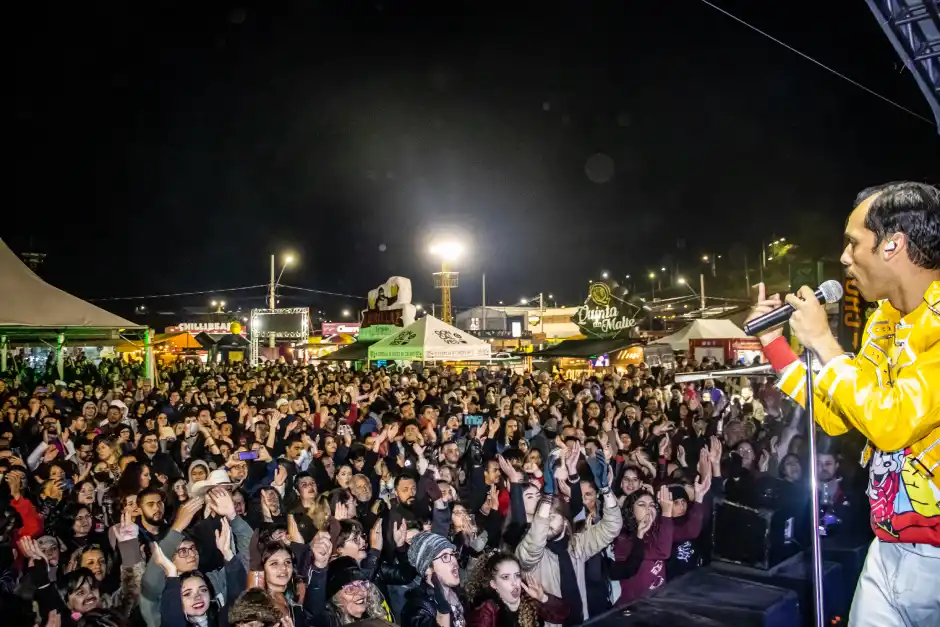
757,537
792,575
652,617
732,601
850,552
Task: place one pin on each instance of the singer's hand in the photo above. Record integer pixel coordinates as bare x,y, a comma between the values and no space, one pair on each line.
766,305
810,324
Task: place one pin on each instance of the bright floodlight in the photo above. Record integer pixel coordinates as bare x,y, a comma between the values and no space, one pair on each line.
705,258
345,313
448,251
215,303
288,259
222,304
663,269
681,280
604,275
418,307
524,301
551,296
628,276
652,275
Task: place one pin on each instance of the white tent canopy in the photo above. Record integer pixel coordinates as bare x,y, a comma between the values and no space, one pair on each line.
702,330
430,339
30,302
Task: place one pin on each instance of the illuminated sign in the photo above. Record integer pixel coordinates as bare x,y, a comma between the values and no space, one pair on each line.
605,315
334,328
389,309
195,328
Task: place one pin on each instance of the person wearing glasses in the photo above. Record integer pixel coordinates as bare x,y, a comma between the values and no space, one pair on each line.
342,594
437,601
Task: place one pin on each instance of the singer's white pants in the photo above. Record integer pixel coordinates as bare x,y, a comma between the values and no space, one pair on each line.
899,587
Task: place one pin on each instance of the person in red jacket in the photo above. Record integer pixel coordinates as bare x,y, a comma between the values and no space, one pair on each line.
32,522
500,597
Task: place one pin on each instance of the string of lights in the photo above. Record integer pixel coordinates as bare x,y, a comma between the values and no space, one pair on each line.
819,63
196,293
307,289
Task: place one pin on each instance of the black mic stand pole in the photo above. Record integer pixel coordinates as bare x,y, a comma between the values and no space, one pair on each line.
817,544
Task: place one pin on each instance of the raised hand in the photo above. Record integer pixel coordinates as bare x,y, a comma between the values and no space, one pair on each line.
703,483
765,305
186,512
220,500
665,501
511,473
322,548
127,529
161,559
764,463
30,548
400,533
534,589
714,450
223,540
680,456
572,456
342,512
280,476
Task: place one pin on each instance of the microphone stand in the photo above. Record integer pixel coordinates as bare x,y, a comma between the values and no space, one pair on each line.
817,573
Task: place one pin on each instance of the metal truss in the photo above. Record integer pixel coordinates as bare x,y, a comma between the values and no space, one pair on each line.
303,332
913,27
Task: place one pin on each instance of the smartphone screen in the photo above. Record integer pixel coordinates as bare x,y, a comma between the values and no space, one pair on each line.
248,455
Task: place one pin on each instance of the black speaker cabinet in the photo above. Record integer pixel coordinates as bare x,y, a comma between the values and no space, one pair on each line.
756,537
732,601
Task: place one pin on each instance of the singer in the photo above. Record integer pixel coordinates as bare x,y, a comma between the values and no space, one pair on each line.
890,392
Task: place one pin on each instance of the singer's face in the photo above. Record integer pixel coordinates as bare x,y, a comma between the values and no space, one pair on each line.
863,260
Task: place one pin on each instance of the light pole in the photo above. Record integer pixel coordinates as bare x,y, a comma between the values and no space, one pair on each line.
652,286
701,292
445,280
288,259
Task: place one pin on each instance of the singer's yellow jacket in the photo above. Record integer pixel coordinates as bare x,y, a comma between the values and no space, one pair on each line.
890,392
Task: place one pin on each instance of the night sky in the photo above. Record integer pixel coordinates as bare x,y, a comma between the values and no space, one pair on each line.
173,147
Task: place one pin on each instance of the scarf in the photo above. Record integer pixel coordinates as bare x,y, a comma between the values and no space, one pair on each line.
570,591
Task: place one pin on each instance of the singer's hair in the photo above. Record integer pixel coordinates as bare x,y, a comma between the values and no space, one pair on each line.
909,208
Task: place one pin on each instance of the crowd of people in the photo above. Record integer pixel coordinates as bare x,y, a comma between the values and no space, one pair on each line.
316,496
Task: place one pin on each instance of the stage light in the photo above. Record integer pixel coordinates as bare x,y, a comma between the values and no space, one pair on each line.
345,313
524,301
681,280
604,275
705,258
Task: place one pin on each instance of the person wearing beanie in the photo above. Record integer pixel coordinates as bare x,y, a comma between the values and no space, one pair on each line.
437,600
341,594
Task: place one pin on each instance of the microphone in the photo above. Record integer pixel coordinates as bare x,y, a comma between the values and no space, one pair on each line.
829,292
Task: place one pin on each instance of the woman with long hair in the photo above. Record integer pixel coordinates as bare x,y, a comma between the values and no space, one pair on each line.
136,477
188,598
341,593
499,597
86,493
76,527
277,565
644,544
